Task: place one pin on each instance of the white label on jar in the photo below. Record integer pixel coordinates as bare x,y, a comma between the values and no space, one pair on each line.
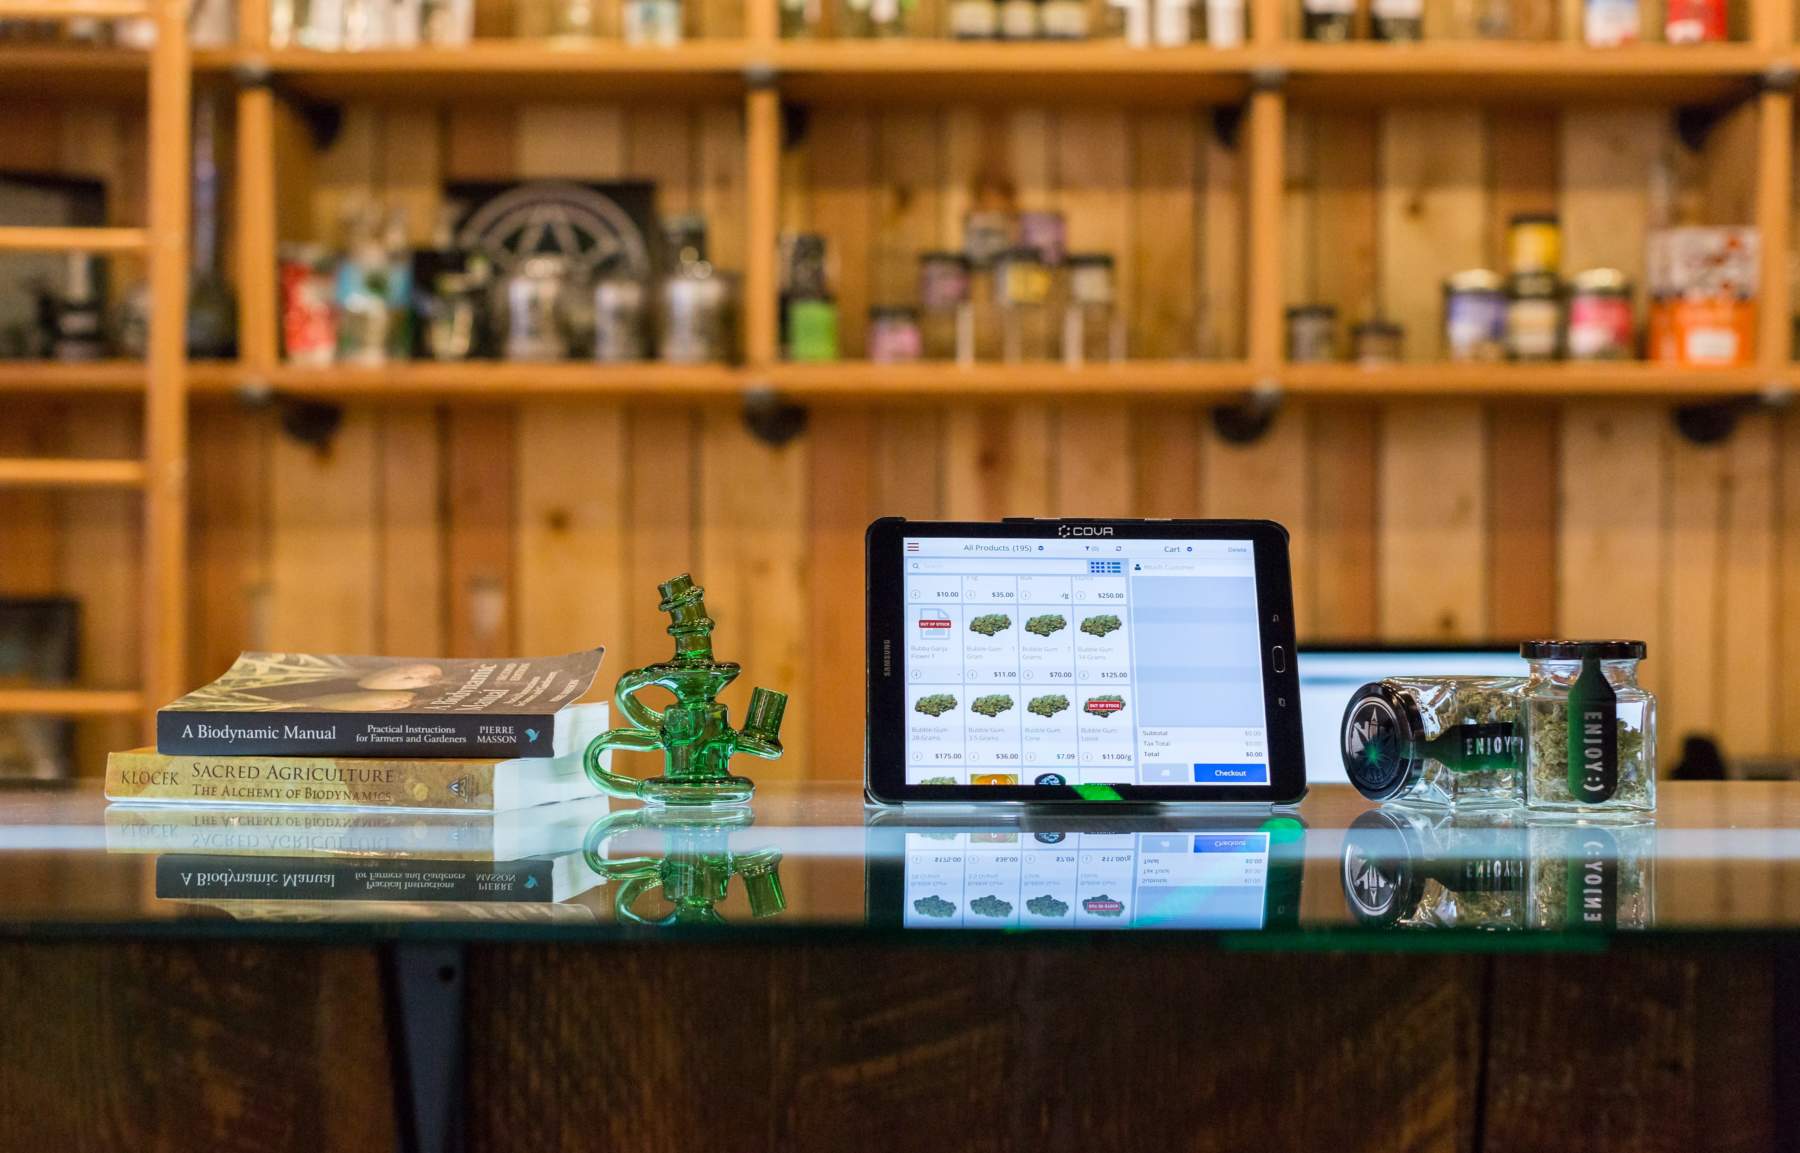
1174,22
1398,9
1330,7
885,12
1712,345
1064,20
1531,327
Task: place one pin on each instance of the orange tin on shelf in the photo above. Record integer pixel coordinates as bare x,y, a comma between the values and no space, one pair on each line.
1711,331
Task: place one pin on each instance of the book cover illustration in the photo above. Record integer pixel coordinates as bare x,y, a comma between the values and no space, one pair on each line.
305,704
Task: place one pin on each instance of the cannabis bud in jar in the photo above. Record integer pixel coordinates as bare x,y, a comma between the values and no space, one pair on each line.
1590,728
1452,741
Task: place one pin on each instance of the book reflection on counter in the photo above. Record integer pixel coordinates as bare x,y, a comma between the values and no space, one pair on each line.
310,865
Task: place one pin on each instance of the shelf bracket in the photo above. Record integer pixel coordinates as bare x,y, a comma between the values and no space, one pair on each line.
311,422
760,75
1248,420
772,419
1714,421
1228,124
323,120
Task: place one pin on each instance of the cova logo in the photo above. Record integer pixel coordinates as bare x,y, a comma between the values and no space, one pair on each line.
1084,530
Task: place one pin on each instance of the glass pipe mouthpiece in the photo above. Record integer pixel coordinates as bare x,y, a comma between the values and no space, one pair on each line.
763,718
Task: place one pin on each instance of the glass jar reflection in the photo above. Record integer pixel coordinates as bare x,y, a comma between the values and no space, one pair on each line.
694,871
1415,869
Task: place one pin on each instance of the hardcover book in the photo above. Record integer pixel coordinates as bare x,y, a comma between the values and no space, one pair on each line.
306,705
246,831
469,785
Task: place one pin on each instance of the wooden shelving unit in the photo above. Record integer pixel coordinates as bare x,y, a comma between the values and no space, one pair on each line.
862,140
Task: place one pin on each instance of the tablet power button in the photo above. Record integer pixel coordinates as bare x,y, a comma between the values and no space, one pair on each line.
1278,659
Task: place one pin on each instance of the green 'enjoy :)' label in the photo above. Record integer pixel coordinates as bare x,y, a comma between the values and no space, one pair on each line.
1593,735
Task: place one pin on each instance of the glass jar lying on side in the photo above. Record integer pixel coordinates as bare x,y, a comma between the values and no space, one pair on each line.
1450,741
1590,728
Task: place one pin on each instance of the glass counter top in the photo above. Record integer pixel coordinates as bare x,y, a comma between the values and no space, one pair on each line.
1718,858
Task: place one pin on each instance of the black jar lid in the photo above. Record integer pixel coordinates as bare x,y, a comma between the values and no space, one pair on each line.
1581,650
1378,740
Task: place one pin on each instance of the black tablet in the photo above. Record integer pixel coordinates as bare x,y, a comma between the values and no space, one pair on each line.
1082,660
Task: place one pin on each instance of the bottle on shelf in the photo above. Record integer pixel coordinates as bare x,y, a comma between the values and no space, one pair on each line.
212,309
1092,327
696,298
363,311
808,312
77,331
947,325
651,23
536,317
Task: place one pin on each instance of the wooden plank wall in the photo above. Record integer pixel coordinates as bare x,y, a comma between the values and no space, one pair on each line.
545,525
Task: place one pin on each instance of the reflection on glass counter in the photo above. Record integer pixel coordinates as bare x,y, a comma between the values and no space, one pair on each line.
1719,858
1114,874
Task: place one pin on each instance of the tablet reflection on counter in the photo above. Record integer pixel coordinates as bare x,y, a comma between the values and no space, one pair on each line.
1242,878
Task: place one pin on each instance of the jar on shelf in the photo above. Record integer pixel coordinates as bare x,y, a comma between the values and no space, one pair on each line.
1442,741
973,19
1091,324
894,336
1585,875
1328,21
1696,22
1474,315
1022,281
1377,342
1064,19
1311,334
1225,23
1425,869
651,23
1019,19
1611,23
1601,324
535,315
1397,21
947,321
813,330
308,321
871,19
799,19
1481,19
1533,316
1590,728
619,320
1173,22
1533,243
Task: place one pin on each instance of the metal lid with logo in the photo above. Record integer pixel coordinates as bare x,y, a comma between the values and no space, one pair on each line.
1380,737
1581,650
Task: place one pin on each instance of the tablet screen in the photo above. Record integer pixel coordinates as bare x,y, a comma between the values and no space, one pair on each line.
1034,661
1164,880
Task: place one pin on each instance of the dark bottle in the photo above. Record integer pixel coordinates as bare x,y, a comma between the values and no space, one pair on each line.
212,309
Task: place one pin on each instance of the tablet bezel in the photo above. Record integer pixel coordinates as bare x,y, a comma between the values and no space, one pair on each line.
885,754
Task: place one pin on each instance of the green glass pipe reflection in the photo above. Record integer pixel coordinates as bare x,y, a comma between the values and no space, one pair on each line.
694,733
695,870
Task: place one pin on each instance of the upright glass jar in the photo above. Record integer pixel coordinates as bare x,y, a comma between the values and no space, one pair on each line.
1311,334
1600,325
1091,328
1443,741
1590,728
1593,876
973,19
947,318
1418,869
1474,315
893,335
799,18
1023,280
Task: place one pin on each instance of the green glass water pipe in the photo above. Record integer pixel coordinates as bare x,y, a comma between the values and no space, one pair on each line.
695,870
694,732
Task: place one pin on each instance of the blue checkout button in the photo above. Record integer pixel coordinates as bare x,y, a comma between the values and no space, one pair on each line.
1238,773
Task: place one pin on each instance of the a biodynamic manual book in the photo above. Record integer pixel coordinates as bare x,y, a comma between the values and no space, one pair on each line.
306,705
466,785
543,830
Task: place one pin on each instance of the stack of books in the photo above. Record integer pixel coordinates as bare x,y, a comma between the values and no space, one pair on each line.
299,785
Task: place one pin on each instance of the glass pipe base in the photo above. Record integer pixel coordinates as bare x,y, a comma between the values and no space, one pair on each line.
714,791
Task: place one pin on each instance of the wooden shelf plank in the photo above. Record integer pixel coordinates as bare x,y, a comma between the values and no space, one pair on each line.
1519,72
510,69
102,377
16,472
73,10
65,70
929,71
17,239
1566,379
861,381
488,380
70,702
